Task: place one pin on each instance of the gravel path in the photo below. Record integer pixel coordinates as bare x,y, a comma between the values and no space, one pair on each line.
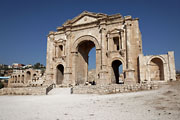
161,104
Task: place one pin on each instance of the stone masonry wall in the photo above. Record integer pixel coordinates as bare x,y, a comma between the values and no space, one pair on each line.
112,89
23,91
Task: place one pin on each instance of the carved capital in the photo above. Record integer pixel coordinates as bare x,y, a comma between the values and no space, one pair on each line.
122,52
68,34
51,38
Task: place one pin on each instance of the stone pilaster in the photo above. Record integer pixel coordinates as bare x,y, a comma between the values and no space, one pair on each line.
129,72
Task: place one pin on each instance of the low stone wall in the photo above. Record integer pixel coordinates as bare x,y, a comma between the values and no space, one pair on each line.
177,76
112,89
23,91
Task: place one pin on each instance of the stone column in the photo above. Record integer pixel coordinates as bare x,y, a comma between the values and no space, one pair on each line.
120,41
98,65
107,42
68,35
56,51
171,63
129,72
68,55
103,46
73,77
49,60
64,49
166,72
111,45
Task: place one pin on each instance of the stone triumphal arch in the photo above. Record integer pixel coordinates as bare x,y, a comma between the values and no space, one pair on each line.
117,41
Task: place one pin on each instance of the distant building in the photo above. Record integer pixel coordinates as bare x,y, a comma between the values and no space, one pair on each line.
3,66
5,70
17,65
27,66
25,78
9,66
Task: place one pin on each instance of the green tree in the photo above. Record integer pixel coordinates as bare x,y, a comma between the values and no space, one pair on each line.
37,66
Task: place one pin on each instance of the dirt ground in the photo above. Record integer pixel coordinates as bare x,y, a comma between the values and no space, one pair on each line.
161,104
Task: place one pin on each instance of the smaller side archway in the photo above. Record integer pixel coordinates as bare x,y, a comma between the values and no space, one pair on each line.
59,74
19,79
117,76
28,75
22,79
156,69
34,77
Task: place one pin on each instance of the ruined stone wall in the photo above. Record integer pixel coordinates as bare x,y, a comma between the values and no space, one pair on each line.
112,89
28,77
164,68
23,91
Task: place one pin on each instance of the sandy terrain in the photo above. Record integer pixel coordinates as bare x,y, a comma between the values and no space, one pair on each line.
161,104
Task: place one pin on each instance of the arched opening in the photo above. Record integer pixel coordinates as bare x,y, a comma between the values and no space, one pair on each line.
82,61
117,72
34,78
19,79
28,75
59,74
92,66
156,69
60,51
22,79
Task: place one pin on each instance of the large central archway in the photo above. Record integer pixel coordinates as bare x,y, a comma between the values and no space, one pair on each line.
81,48
82,61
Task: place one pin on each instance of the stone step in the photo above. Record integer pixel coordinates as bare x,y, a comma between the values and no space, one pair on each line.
60,91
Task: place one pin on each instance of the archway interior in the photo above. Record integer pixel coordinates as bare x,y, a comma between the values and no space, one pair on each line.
22,78
92,59
19,79
60,74
82,61
117,74
34,77
156,69
92,66
28,75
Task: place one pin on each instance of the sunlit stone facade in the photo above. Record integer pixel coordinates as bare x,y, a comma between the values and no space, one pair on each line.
117,41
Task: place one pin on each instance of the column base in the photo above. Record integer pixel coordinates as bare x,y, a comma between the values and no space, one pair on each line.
102,78
129,79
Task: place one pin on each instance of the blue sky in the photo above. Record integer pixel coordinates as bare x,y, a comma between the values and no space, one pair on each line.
24,25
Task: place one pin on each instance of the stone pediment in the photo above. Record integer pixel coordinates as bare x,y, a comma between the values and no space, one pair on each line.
84,18
115,31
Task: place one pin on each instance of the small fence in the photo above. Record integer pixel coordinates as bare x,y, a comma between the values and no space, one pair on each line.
49,88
